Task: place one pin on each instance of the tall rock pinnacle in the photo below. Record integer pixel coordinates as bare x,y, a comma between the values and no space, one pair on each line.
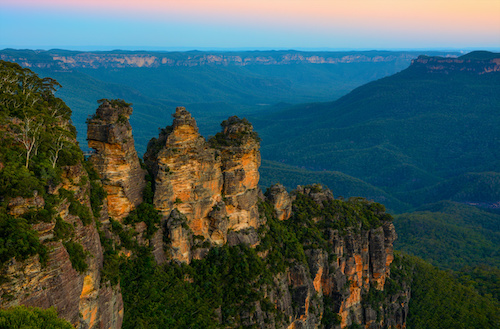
109,133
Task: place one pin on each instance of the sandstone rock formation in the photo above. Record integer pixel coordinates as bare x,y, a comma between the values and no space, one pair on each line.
356,261
79,298
281,201
461,64
66,61
109,133
213,184
207,193
238,146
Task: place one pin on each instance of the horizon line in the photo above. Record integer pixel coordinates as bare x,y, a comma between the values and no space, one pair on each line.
187,49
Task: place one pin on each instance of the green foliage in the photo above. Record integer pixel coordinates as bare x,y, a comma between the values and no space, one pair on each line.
97,193
379,132
163,297
281,243
70,155
484,279
111,261
45,214
24,92
127,235
77,256
272,172
329,318
115,102
477,188
310,219
440,301
22,317
75,207
222,139
146,213
18,240
63,230
450,235
148,193
16,180
188,295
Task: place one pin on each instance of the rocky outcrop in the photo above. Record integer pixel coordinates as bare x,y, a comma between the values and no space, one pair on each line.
68,61
280,200
238,146
109,133
362,263
188,178
475,62
356,261
207,194
213,184
78,297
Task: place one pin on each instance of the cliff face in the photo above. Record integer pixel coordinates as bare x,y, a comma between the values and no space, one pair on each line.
208,196
214,186
79,297
467,63
109,133
352,265
238,147
72,60
51,253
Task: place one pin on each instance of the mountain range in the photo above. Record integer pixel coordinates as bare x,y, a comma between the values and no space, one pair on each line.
186,238
212,85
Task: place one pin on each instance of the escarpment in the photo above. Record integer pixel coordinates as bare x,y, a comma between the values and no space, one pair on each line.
349,250
51,252
207,194
57,279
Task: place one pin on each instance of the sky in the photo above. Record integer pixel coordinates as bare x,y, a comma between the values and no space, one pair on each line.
250,24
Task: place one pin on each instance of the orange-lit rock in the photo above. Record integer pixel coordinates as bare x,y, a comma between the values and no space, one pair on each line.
281,201
78,297
354,262
239,150
109,133
213,185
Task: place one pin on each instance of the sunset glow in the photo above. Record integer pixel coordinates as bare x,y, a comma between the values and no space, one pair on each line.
315,23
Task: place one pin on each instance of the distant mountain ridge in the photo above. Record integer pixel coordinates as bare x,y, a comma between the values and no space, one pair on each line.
423,141
430,123
67,60
477,62
212,85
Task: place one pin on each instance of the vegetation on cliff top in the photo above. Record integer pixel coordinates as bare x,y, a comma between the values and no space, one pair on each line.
37,143
222,289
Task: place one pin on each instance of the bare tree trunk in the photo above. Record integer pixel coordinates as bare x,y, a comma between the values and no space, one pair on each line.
57,148
29,137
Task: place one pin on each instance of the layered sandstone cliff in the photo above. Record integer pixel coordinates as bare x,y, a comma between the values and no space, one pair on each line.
109,133
344,272
68,61
480,64
79,296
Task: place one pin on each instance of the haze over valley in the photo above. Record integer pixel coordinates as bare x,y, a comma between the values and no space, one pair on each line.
249,164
